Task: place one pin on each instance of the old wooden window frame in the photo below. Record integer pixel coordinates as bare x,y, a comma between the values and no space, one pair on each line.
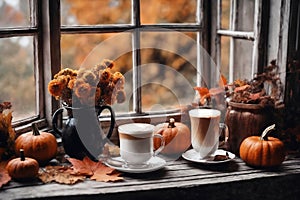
36,30
47,44
258,36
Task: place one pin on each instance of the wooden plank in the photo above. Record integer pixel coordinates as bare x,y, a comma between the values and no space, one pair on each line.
91,187
178,174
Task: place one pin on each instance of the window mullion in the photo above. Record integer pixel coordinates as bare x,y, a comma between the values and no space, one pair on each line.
218,36
36,16
199,42
232,26
202,15
257,31
136,58
51,52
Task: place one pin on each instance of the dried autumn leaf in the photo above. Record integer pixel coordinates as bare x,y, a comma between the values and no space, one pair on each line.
4,177
239,82
255,96
203,91
96,170
222,81
7,133
5,105
59,174
204,94
105,174
241,88
82,167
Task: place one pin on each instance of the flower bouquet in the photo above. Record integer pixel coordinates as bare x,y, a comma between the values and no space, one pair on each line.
89,87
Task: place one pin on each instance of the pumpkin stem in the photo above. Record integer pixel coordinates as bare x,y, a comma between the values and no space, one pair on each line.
22,156
35,130
266,131
171,123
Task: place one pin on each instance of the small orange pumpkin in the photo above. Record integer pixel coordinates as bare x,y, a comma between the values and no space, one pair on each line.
22,168
41,146
262,151
177,137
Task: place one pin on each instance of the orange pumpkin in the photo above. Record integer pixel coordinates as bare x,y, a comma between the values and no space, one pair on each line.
22,168
262,151
177,137
41,146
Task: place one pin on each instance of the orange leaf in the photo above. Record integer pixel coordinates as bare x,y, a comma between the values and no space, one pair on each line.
105,174
223,81
203,91
241,88
4,177
96,170
82,167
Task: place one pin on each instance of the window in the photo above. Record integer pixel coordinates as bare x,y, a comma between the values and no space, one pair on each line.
240,28
163,47
19,61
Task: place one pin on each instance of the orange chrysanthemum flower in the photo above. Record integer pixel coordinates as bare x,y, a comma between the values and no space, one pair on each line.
55,87
83,90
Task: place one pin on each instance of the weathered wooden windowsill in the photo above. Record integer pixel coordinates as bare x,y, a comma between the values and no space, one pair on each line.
178,180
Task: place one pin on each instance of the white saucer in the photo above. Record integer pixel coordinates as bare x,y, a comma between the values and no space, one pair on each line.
194,156
155,163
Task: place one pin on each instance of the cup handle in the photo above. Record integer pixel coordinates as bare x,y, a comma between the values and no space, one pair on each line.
224,132
162,144
112,119
55,121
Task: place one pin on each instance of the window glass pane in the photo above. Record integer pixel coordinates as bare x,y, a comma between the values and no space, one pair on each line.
93,12
245,15
17,75
88,50
168,11
14,13
243,59
225,15
225,49
168,69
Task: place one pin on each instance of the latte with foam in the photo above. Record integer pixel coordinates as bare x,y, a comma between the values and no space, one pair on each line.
136,143
205,130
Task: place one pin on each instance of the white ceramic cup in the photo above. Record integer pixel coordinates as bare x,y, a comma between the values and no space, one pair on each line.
136,143
205,130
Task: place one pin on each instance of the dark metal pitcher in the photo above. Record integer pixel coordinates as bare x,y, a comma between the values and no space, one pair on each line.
82,134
